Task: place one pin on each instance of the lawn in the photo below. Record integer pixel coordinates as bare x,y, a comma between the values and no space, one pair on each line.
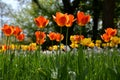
79,65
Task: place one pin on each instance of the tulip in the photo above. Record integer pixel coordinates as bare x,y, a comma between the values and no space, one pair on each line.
41,21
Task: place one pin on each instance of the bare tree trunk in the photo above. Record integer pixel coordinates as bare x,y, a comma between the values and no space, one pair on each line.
69,8
108,13
96,14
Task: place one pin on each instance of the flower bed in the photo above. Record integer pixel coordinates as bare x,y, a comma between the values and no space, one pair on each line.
78,61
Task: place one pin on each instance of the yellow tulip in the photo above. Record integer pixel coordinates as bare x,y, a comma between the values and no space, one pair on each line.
62,46
98,41
74,45
24,47
104,45
50,48
115,40
12,47
55,47
112,45
86,41
98,45
91,45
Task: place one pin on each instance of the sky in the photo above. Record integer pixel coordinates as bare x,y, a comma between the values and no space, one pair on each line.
13,3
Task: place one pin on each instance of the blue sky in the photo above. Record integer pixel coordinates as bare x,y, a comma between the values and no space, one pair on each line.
13,3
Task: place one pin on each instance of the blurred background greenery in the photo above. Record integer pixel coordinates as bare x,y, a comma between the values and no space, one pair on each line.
104,13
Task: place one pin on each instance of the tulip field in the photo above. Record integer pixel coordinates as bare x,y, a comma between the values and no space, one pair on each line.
83,59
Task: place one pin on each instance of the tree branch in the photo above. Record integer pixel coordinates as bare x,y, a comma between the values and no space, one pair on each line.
44,10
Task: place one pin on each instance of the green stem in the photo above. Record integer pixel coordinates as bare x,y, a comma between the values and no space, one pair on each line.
7,44
67,38
60,39
58,57
80,30
40,48
52,43
40,39
15,44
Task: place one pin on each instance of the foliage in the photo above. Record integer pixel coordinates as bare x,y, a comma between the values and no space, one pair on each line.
30,62
24,17
66,66
31,9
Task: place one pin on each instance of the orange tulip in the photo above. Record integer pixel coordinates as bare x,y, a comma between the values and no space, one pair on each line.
41,21
52,35
59,37
4,47
7,30
111,32
81,37
78,37
17,31
40,41
20,37
61,19
106,37
82,19
40,37
70,21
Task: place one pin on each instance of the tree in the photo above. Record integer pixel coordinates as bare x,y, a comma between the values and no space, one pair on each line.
24,17
96,15
34,8
70,8
5,10
108,13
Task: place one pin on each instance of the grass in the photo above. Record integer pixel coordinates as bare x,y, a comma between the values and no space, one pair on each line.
19,65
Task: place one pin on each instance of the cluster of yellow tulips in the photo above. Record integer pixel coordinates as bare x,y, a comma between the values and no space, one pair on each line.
30,47
109,39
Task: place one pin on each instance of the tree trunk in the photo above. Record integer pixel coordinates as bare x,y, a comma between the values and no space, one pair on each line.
108,13
96,14
69,8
